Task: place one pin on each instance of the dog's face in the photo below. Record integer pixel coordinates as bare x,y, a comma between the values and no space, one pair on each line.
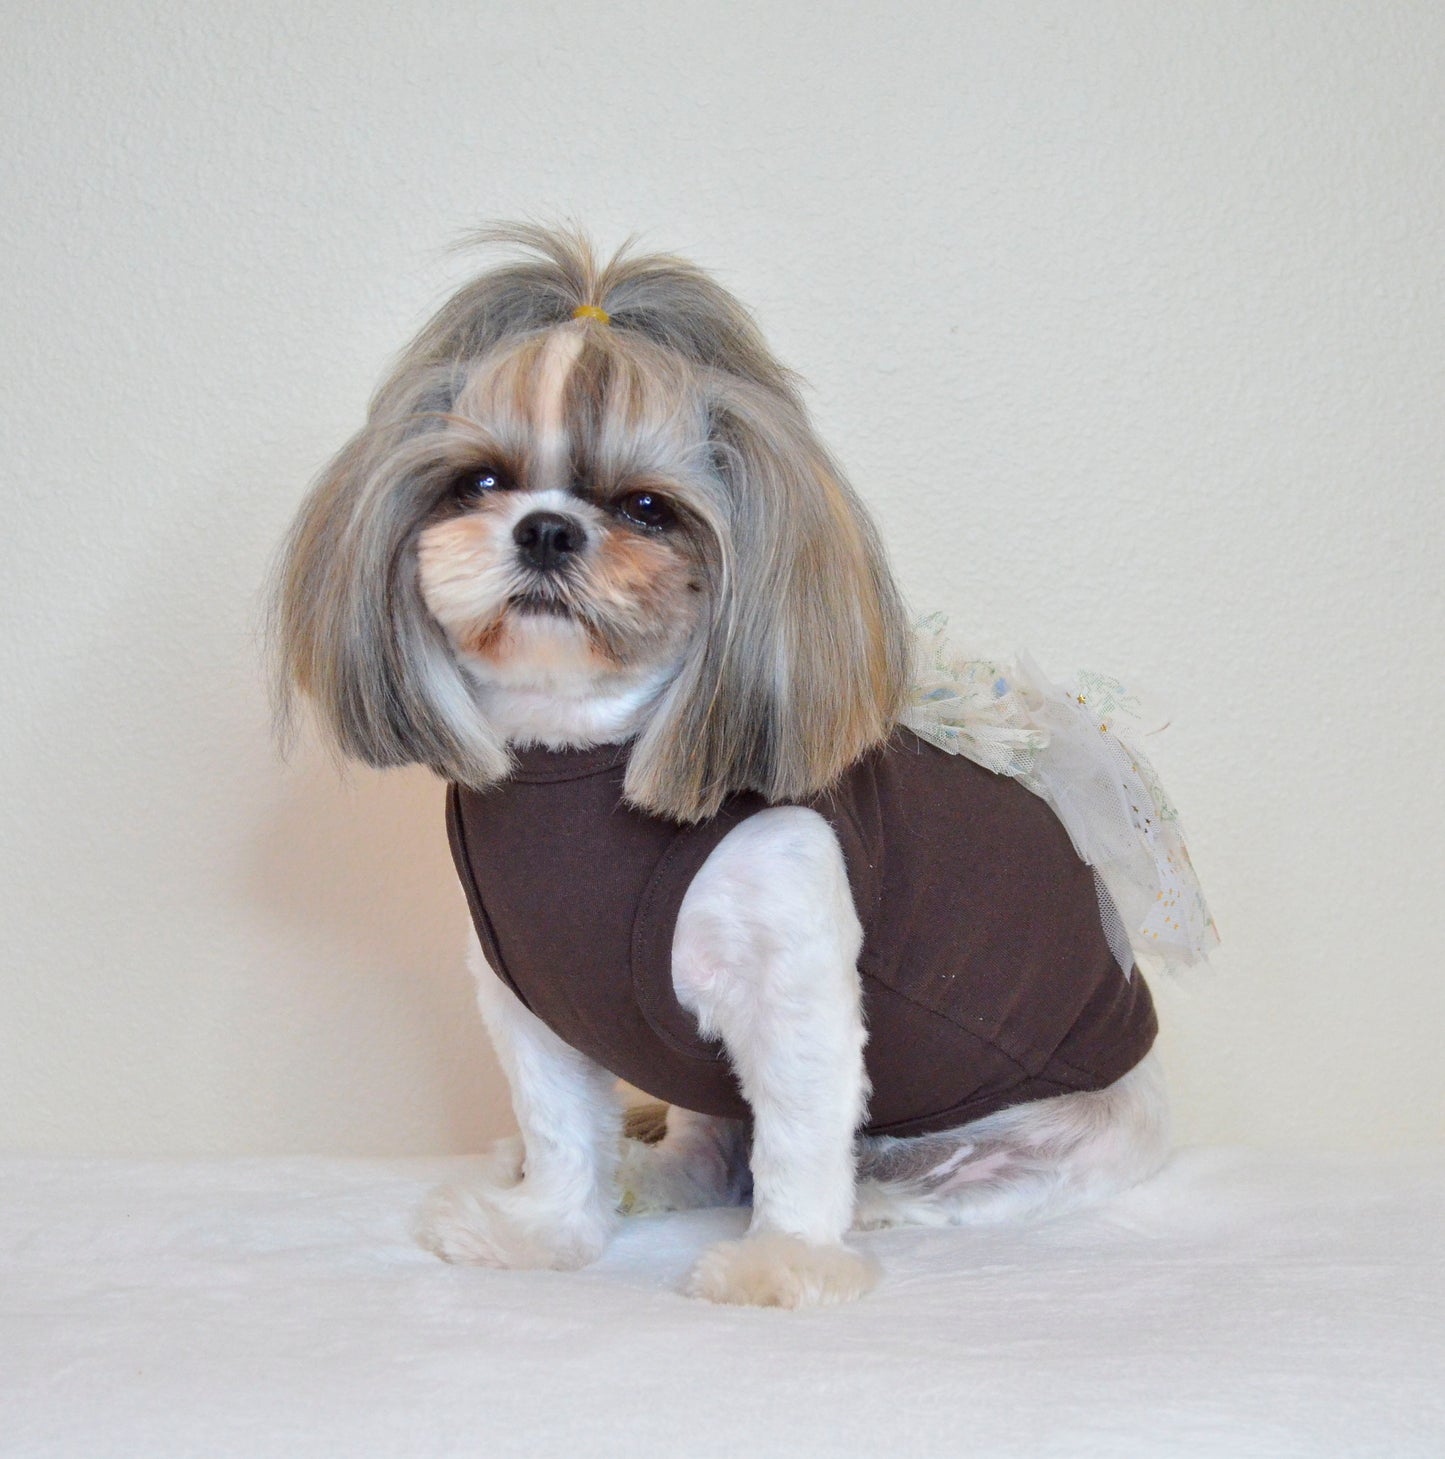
589,482
574,550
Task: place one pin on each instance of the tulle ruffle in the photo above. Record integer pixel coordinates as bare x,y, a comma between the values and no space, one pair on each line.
1075,747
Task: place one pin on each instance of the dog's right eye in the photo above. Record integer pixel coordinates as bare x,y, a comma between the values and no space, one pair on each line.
479,481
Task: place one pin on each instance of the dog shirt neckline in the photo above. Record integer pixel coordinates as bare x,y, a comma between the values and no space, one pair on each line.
538,765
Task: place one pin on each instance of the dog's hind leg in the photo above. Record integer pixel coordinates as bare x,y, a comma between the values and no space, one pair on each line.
699,1161
1031,1161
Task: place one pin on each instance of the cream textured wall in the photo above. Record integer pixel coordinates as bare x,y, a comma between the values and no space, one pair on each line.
1128,318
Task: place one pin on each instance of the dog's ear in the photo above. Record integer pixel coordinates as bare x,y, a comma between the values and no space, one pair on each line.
348,627
803,665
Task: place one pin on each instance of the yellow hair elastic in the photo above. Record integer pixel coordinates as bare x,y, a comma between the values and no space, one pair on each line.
591,311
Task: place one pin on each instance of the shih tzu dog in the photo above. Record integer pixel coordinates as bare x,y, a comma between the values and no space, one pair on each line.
589,562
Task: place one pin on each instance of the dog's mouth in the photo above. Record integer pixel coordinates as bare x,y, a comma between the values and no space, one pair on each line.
542,604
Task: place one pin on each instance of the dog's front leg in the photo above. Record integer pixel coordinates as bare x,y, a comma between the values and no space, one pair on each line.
765,955
551,1202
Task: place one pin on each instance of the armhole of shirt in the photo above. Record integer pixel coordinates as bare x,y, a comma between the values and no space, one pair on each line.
864,876
656,921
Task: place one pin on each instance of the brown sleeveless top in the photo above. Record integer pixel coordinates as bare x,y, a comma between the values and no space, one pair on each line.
986,977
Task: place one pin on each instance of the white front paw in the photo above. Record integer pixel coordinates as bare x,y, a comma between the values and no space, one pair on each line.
774,1270
497,1222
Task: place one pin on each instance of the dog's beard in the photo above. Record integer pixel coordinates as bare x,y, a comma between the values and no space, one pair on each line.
532,601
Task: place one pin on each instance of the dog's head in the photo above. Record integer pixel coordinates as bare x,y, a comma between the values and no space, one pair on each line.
587,504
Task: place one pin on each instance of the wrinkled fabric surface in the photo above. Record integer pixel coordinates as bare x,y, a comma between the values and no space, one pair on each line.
1240,1304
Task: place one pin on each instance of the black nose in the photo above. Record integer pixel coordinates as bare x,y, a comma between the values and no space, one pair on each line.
546,539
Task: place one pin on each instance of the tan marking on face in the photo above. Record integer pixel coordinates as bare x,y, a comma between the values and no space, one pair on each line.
486,642
462,582
643,592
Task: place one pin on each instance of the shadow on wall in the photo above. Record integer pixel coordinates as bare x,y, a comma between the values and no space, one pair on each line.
354,867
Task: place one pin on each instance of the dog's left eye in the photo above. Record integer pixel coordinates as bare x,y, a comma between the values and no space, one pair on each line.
647,509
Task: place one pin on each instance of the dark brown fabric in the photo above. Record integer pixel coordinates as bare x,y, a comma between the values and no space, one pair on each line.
987,980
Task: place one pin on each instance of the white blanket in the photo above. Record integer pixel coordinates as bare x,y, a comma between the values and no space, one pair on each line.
1242,1304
